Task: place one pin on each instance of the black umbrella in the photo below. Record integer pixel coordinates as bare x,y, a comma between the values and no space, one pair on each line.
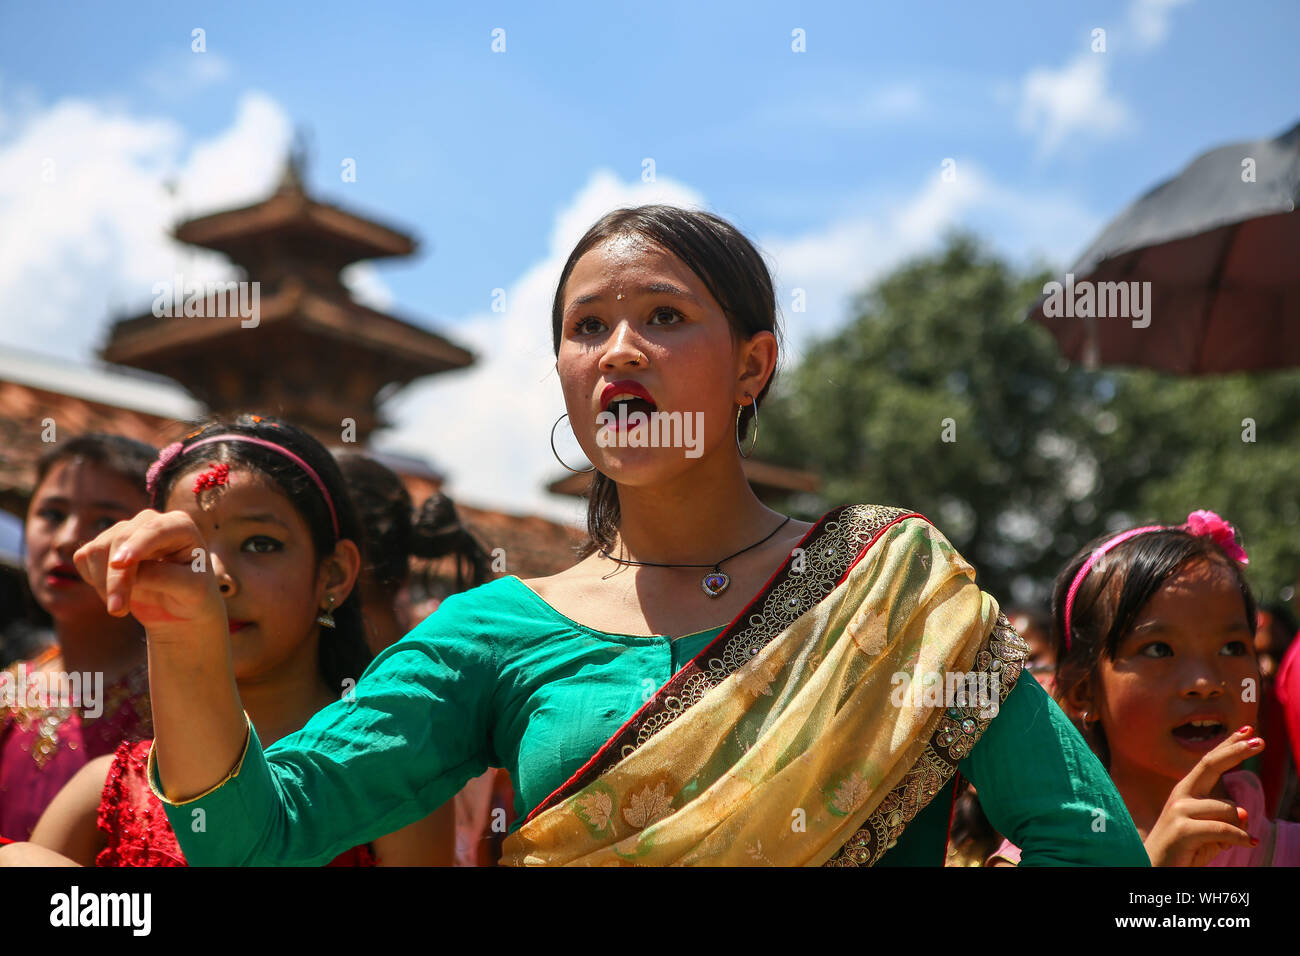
1200,275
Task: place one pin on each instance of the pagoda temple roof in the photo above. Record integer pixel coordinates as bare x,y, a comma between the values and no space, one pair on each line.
290,217
314,319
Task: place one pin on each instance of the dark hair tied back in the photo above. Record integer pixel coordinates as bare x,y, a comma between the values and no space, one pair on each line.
438,532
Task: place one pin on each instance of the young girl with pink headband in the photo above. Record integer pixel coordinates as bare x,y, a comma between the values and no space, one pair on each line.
1160,671
279,542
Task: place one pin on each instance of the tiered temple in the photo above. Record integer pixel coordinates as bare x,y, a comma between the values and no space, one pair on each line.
312,354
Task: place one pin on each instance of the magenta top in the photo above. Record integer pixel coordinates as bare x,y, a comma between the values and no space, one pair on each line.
43,746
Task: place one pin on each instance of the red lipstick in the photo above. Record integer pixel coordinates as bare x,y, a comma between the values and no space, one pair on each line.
624,387
62,575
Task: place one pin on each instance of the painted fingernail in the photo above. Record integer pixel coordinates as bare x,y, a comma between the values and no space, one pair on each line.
1245,730
1255,742
1254,841
1242,815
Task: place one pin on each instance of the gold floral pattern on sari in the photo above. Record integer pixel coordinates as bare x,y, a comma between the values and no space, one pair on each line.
647,806
849,794
595,809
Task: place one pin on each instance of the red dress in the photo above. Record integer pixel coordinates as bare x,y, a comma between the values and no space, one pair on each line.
136,825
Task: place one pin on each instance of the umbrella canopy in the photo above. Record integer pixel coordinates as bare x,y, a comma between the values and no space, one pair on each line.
1200,275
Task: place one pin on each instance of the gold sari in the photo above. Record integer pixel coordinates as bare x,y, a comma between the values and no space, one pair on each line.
804,734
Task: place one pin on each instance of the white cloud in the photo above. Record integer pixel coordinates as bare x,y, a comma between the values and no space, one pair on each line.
833,263
1071,103
1074,102
1149,20
363,281
183,72
240,165
84,212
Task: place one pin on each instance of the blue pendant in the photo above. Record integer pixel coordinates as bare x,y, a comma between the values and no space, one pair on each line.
714,583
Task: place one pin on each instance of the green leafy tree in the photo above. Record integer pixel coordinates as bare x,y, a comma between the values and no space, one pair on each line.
938,396
1229,444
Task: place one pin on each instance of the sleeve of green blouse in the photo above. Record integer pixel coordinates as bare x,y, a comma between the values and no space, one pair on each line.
416,727
1043,788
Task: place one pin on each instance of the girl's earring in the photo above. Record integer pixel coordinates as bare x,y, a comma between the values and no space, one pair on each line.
743,453
326,618
576,471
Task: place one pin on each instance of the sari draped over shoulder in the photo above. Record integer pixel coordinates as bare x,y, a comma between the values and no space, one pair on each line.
814,728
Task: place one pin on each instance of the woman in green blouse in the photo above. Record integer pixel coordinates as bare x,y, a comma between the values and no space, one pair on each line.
713,683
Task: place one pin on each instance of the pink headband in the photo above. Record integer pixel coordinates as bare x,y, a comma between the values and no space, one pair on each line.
172,451
1204,523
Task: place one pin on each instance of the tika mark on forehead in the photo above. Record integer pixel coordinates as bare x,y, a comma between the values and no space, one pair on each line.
206,483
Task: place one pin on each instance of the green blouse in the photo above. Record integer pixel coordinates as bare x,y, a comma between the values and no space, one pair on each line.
498,678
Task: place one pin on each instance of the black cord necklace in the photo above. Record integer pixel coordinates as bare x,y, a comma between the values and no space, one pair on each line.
713,583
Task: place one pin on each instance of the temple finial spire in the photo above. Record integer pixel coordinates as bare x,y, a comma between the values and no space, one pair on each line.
295,164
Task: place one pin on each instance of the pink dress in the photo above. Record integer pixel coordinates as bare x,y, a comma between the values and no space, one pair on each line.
42,747
1279,840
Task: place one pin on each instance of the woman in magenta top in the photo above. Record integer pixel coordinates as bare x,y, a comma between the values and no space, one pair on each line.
50,727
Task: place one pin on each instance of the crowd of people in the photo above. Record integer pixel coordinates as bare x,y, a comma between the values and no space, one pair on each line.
243,596
74,785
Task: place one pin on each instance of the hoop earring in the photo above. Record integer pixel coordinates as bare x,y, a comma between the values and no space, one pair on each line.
739,409
584,471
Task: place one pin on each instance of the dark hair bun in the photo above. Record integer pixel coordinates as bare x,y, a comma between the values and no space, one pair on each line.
437,530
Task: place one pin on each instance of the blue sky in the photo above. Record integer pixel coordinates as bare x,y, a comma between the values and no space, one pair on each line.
829,159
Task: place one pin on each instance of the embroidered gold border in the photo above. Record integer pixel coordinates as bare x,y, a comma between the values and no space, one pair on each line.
1002,654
